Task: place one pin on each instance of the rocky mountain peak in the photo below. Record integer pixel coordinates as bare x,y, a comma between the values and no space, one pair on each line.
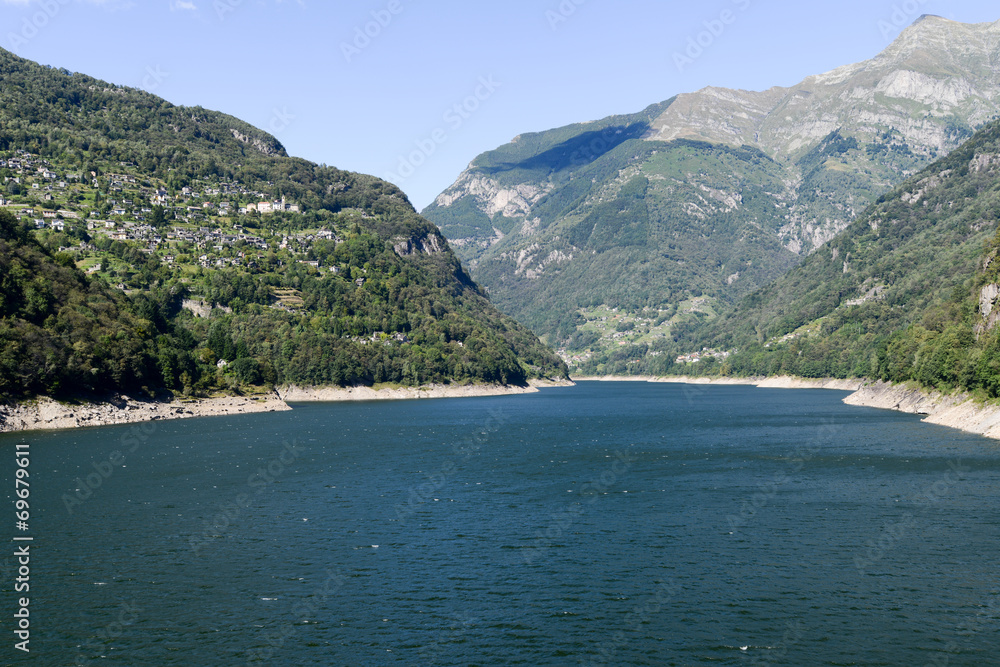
716,191
945,66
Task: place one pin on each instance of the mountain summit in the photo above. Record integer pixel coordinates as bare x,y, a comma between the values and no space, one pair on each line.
947,68
711,194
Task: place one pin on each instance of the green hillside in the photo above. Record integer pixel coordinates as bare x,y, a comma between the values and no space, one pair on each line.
710,195
907,293
149,246
622,230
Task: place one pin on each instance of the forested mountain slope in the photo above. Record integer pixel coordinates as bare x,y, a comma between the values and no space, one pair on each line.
152,246
702,199
908,292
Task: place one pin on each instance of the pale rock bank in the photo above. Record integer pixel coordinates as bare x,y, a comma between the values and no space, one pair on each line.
47,414
784,382
293,394
958,411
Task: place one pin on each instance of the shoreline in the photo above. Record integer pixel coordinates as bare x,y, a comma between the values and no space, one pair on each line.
46,414
294,394
959,411
778,382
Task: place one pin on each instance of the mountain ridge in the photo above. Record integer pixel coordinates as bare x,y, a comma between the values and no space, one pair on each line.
746,184
928,34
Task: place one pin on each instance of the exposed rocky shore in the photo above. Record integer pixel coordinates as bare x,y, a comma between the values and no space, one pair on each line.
784,382
959,411
47,414
956,411
293,394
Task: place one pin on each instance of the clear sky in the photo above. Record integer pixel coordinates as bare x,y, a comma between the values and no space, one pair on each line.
385,102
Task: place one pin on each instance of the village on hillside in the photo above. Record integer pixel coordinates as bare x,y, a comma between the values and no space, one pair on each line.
208,224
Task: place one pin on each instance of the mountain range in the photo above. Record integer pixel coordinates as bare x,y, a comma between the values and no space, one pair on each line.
665,216
842,227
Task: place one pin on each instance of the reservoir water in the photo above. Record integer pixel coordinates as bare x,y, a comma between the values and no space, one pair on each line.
604,524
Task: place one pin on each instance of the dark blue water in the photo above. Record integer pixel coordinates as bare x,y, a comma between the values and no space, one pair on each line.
610,523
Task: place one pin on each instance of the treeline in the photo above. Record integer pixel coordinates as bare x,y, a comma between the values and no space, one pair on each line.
86,124
65,334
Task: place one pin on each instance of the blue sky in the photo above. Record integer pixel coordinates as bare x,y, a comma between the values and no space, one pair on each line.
385,102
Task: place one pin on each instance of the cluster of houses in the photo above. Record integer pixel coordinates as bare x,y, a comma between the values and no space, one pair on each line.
25,161
382,338
50,219
203,238
268,207
206,239
784,339
705,354
302,242
189,205
130,202
575,359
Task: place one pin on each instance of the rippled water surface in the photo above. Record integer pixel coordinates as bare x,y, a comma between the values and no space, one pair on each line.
609,523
